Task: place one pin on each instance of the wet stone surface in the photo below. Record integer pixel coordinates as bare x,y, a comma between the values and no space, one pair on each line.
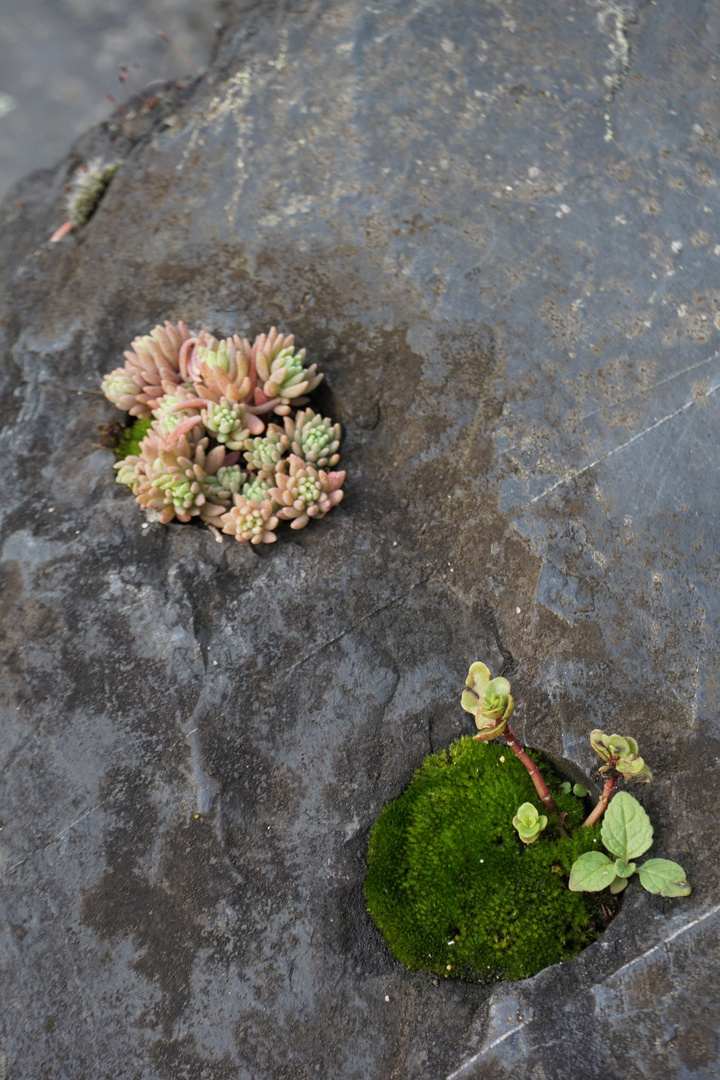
495,228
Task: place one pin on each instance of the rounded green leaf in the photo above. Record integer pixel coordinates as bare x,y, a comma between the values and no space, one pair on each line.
664,877
579,790
618,885
591,872
478,677
566,787
470,701
625,870
626,829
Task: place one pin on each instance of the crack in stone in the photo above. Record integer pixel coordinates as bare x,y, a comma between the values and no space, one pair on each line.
623,446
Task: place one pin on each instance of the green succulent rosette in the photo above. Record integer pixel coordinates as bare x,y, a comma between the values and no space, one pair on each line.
489,700
620,753
226,424
529,823
256,490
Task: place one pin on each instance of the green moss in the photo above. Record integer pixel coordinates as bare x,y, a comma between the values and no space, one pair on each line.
129,442
451,883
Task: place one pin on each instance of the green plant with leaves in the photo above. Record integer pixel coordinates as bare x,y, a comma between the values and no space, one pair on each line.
462,889
577,789
491,703
626,833
621,759
529,823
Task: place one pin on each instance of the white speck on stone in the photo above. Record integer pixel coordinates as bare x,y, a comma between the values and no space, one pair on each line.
533,172
682,311
215,663
446,45
387,997
565,208
517,610
508,187
145,525
716,249
676,246
345,47
51,509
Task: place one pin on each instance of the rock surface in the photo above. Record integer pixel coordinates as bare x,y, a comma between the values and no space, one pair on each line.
60,58
494,225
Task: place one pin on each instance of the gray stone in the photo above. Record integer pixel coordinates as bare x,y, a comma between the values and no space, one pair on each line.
471,215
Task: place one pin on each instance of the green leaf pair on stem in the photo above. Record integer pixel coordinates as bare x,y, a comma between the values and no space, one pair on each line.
577,789
626,833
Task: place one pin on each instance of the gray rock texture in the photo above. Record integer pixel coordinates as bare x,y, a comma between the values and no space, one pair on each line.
495,226
60,58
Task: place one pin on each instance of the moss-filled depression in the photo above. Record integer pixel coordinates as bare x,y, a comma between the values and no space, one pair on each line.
453,888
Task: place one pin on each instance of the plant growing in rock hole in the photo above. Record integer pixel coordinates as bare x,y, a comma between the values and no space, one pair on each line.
462,887
86,190
200,448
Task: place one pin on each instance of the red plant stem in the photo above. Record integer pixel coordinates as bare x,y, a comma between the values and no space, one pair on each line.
535,774
601,807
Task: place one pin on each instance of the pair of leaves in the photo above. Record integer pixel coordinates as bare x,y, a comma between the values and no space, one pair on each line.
577,789
626,833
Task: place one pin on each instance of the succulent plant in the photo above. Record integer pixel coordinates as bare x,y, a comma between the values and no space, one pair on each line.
620,754
219,369
250,521
305,492
258,489
151,365
206,400
176,479
263,454
88,187
489,700
226,423
122,390
313,438
529,823
281,371
231,480
172,411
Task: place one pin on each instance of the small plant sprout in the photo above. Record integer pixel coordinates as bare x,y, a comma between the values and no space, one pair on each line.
626,833
577,789
529,823
621,758
491,703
